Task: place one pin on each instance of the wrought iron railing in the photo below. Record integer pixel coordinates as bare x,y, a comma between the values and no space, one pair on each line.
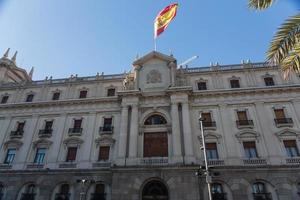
209,124
75,130
219,196
255,161
244,122
283,121
98,196
45,132
262,196
106,129
17,133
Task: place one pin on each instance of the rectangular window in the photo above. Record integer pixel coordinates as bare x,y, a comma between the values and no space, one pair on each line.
211,151
83,94
104,153
250,150
40,155
48,125
29,98
206,117
269,81
10,155
4,99
279,113
77,123
20,127
56,96
242,115
202,86
71,154
156,144
235,83
291,148
111,92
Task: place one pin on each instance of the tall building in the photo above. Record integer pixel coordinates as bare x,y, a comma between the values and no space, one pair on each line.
136,136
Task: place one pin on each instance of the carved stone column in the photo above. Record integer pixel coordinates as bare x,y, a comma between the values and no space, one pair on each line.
187,132
133,132
177,153
123,133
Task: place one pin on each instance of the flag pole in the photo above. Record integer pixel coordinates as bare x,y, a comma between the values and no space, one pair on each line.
154,44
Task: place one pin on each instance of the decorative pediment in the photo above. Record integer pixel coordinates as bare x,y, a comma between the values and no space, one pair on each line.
105,140
153,55
43,143
247,134
288,133
211,136
13,144
73,141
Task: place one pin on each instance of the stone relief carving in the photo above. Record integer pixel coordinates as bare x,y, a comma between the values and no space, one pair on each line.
154,76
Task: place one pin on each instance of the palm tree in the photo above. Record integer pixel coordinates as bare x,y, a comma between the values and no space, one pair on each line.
284,49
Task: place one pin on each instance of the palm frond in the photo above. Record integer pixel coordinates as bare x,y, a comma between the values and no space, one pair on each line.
285,40
291,62
260,4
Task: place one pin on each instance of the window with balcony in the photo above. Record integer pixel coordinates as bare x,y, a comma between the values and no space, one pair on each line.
104,153
71,154
155,120
250,150
111,92
99,192
291,148
29,192
243,119
64,192
4,99
29,98
76,127
212,151
202,85
207,120
217,192
234,83
107,125
56,96
83,94
40,156
260,192
280,117
20,129
10,156
47,129
269,81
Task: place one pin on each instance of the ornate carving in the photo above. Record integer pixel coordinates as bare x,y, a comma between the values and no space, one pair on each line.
154,76
128,82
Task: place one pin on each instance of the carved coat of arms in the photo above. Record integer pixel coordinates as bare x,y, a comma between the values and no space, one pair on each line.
154,76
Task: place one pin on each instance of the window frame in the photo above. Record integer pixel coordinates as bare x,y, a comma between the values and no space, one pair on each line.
212,154
248,151
108,92
83,94
289,152
232,84
29,97
10,155
68,154
4,99
39,157
56,95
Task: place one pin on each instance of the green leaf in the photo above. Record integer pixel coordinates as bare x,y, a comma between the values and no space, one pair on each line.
260,4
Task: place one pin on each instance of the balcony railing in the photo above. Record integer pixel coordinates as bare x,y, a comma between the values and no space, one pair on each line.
219,196
27,196
75,131
45,133
106,129
255,161
262,196
16,134
283,121
244,123
295,160
154,161
209,124
215,162
98,196
59,196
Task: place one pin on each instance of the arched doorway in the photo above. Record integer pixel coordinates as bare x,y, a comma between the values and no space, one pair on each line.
155,190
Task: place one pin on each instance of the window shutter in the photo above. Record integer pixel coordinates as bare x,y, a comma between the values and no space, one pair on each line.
77,123
248,145
71,156
211,146
242,115
206,117
279,113
289,143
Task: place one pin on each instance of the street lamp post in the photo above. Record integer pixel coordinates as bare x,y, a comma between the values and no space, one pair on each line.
208,177
83,183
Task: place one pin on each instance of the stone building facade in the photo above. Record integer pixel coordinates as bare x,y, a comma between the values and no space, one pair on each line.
136,136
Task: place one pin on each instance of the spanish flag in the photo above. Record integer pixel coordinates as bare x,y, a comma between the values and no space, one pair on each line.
164,18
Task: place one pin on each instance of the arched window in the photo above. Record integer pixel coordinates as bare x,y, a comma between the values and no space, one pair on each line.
29,192
63,192
260,192
217,192
155,120
99,192
155,190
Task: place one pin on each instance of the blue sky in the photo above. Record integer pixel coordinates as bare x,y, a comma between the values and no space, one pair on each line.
64,37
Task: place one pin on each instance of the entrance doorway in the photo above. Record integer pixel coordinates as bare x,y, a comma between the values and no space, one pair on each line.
155,190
